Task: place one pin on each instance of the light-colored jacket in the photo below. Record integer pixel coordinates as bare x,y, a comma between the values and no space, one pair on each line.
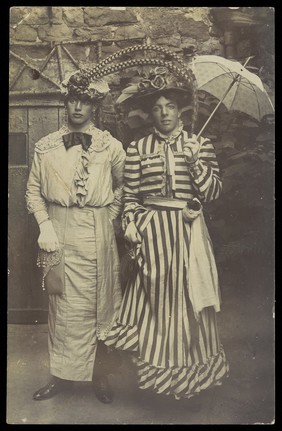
74,176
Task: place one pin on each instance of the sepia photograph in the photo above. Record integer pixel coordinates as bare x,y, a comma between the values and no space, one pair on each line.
141,216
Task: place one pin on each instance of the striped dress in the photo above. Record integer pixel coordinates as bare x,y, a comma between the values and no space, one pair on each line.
175,353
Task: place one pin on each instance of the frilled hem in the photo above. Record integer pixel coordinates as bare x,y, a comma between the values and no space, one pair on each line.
102,331
184,382
180,382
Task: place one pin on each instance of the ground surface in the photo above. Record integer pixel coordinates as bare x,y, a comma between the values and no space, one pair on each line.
247,397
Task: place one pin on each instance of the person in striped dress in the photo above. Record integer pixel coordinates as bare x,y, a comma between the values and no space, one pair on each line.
168,312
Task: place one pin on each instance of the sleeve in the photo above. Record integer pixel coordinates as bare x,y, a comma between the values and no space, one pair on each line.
118,159
36,204
205,173
132,176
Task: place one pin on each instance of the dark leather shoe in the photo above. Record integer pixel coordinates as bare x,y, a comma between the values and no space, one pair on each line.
102,390
52,388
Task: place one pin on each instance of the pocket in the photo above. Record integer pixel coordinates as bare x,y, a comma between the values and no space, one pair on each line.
152,168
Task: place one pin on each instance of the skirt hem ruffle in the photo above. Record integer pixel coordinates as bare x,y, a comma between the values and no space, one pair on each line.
181,382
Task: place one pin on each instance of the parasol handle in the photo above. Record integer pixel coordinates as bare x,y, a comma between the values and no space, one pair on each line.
221,100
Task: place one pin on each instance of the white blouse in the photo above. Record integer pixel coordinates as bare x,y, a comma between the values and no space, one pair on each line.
74,176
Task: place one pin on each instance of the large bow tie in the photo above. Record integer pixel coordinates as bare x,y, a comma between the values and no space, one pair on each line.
77,138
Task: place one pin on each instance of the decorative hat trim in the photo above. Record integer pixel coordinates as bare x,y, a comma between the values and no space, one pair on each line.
89,80
78,84
156,80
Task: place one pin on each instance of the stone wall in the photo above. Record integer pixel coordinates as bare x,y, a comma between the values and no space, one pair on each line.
229,32
186,30
182,29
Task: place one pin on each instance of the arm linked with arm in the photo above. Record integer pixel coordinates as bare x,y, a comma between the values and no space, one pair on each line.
118,159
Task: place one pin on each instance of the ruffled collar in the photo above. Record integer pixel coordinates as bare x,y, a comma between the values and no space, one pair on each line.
100,141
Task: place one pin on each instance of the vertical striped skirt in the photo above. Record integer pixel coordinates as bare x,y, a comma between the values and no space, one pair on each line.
175,353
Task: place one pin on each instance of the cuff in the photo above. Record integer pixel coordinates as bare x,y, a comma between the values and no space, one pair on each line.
196,168
114,211
129,217
41,216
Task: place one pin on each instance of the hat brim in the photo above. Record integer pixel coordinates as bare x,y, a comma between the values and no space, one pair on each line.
183,96
139,97
163,90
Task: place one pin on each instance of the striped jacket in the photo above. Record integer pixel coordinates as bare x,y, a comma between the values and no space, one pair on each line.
145,173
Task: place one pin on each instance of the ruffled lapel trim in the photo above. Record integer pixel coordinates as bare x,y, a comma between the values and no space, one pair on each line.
100,141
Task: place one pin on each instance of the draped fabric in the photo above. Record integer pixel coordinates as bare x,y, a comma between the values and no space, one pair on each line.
202,272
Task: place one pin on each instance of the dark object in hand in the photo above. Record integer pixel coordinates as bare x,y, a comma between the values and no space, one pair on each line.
194,205
128,268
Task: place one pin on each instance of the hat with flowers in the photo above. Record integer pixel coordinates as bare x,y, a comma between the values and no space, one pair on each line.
167,71
80,85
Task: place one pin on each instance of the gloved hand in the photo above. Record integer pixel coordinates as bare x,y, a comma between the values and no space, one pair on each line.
48,239
192,210
132,234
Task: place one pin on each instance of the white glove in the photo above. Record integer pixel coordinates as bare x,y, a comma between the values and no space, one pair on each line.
48,239
131,234
192,210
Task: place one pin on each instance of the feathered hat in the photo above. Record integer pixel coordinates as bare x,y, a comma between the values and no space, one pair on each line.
78,84
168,72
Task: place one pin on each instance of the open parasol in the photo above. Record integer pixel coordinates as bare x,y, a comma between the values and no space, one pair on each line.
235,86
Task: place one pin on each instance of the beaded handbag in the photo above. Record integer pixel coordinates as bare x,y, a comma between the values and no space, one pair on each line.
52,270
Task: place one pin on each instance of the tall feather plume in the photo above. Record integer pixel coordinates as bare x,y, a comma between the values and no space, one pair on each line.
181,70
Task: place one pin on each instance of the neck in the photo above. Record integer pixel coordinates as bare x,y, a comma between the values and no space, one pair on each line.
168,134
78,128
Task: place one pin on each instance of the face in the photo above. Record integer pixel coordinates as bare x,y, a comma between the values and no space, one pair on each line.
79,112
165,114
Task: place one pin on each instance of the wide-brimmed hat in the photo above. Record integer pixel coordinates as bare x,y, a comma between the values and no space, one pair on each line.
170,72
156,82
78,84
